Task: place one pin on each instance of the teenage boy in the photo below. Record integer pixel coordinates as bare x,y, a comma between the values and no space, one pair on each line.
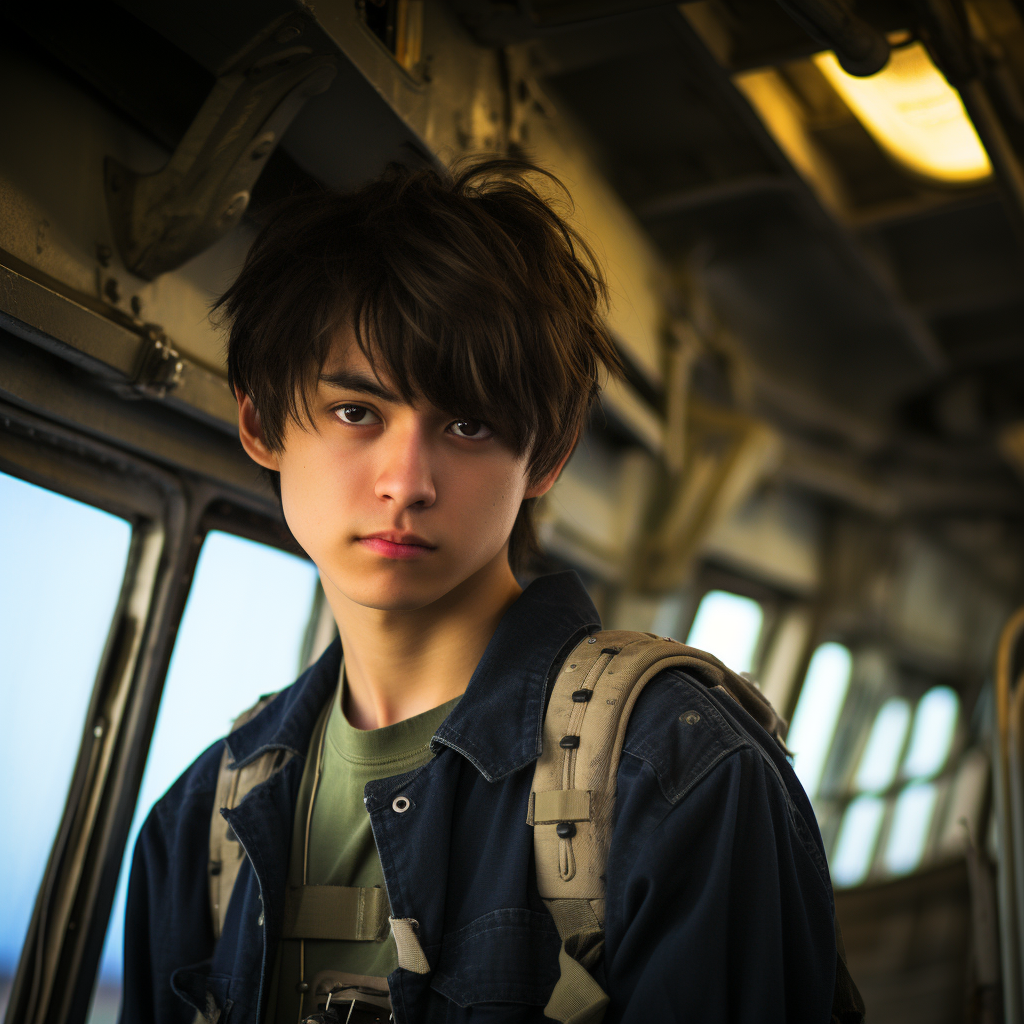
414,363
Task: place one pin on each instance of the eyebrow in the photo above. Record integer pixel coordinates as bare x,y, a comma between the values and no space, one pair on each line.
352,380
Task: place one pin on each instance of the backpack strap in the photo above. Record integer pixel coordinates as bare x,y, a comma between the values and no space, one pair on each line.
573,793
332,912
233,785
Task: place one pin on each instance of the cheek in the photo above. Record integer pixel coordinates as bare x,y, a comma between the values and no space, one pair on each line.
488,500
313,493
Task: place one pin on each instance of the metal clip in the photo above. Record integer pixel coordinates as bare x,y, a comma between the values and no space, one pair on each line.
160,368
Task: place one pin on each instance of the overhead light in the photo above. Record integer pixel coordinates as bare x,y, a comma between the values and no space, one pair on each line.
914,115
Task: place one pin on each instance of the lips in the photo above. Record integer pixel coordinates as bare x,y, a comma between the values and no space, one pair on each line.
395,545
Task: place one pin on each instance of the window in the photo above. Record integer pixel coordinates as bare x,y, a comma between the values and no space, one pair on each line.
817,713
909,830
62,565
881,756
911,808
858,835
727,626
934,725
241,636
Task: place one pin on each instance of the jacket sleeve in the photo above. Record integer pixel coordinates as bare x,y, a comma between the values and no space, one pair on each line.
723,911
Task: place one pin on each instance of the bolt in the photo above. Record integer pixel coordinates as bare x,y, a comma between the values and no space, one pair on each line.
236,206
263,146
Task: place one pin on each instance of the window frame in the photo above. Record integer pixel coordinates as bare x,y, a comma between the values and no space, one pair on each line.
170,510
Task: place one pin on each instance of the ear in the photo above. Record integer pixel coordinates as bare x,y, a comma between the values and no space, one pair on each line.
250,432
545,484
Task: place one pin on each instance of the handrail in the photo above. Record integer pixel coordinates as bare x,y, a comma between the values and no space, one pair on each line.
1009,883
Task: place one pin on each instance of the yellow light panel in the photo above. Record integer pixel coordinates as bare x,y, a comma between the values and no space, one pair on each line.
914,114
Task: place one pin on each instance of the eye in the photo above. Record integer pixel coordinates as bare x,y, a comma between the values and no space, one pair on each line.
470,428
356,415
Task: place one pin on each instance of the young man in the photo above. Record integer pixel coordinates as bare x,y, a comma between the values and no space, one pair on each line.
414,362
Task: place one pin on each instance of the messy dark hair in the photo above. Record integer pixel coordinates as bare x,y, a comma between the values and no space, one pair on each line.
467,289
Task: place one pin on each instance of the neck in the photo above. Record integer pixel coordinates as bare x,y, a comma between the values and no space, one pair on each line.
402,663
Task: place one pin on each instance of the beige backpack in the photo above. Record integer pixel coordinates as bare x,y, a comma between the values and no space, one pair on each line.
571,804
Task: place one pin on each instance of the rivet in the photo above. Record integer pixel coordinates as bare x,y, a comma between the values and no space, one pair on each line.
570,668
401,804
97,731
591,640
690,718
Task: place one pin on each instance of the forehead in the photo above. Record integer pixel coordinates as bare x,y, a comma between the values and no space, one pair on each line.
347,366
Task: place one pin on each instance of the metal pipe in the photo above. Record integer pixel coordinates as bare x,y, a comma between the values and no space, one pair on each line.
860,49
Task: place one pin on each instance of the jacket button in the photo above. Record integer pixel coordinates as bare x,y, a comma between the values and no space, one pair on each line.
401,804
569,742
565,830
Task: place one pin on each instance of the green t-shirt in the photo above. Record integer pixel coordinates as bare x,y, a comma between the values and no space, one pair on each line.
341,846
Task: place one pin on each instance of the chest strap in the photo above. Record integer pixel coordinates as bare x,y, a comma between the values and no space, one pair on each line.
336,912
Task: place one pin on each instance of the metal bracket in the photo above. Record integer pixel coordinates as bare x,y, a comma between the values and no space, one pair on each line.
160,368
162,220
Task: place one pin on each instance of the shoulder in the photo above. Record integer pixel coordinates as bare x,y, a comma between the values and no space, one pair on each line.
193,792
694,738
682,731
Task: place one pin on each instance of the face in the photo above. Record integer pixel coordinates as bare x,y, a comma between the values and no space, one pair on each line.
397,504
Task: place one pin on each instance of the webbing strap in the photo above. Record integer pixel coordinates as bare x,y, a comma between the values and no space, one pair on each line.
560,805
337,912
410,953
233,785
577,998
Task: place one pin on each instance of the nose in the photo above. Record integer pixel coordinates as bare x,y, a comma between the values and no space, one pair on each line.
405,475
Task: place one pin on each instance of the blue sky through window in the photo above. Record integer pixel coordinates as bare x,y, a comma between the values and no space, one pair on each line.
240,637
61,565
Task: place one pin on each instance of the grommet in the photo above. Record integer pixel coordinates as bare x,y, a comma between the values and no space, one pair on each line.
581,696
303,986
690,718
565,830
401,804
591,640
569,742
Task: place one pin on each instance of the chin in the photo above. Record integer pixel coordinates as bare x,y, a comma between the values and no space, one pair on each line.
388,591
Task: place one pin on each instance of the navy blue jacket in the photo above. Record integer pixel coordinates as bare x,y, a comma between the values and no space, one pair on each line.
719,905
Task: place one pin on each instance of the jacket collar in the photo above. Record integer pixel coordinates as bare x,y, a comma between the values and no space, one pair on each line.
498,725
